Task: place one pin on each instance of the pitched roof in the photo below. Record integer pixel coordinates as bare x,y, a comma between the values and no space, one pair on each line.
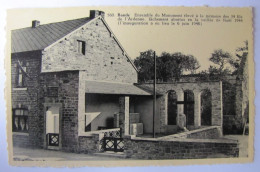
30,39
114,88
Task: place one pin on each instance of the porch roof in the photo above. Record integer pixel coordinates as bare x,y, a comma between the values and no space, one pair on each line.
100,87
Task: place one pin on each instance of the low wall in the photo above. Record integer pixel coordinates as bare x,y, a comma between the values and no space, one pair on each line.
206,133
145,148
89,144
21,139
212,132
92,142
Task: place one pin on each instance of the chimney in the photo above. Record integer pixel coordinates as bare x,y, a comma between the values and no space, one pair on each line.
96,13
102,14
35,23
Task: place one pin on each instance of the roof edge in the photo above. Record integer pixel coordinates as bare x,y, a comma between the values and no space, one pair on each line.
54,43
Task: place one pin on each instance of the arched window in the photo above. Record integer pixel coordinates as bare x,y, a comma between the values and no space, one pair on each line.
172,107
189,106
206,107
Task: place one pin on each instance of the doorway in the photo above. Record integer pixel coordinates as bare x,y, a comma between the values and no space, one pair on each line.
52,126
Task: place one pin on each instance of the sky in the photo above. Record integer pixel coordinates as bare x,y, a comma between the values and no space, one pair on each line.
199,41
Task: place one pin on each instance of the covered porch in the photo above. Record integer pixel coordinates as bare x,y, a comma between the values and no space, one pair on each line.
122,106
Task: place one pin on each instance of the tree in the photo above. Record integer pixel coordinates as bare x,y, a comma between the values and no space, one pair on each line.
235,62
173,65
169,66
144,64
191,64
220,58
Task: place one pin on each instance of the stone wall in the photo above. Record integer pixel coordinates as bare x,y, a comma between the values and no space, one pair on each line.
206,133
196,87
144,106
180,149
67,94
234,99
34,94
89,144
104,59
28,95
212,132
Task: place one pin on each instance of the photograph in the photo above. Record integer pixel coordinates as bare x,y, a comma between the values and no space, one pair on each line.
100,85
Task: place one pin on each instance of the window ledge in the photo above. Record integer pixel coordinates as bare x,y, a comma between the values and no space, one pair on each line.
20,89
20,133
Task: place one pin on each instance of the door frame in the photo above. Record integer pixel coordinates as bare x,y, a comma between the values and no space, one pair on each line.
46,105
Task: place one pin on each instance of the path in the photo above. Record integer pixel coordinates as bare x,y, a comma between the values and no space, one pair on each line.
27,154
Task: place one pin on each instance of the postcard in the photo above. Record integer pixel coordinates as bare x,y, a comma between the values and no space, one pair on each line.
129,86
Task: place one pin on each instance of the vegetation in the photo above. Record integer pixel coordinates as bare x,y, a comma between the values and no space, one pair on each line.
168,65
172,65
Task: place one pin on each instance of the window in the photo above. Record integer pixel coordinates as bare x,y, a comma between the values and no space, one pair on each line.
20,120
81,47
20,76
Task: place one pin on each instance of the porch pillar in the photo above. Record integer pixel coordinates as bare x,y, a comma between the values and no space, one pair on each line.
124,114
217,111
197,106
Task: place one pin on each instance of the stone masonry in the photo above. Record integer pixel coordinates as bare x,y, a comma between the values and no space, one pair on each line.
212,132
196,87
179,148
63,69
104,59
67,84
28,96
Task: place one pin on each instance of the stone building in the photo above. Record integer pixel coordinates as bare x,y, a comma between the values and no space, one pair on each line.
73,81
67,80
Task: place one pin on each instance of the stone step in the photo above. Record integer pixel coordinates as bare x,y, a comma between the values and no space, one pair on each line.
111,154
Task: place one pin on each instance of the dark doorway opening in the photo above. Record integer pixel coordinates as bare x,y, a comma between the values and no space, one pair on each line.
172,107
206,107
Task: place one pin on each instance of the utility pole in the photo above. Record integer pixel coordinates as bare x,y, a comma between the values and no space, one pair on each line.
154,95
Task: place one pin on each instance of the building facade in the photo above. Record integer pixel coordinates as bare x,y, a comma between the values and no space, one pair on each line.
54,69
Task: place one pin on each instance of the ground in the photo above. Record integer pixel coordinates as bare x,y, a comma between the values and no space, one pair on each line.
27,154
243,143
